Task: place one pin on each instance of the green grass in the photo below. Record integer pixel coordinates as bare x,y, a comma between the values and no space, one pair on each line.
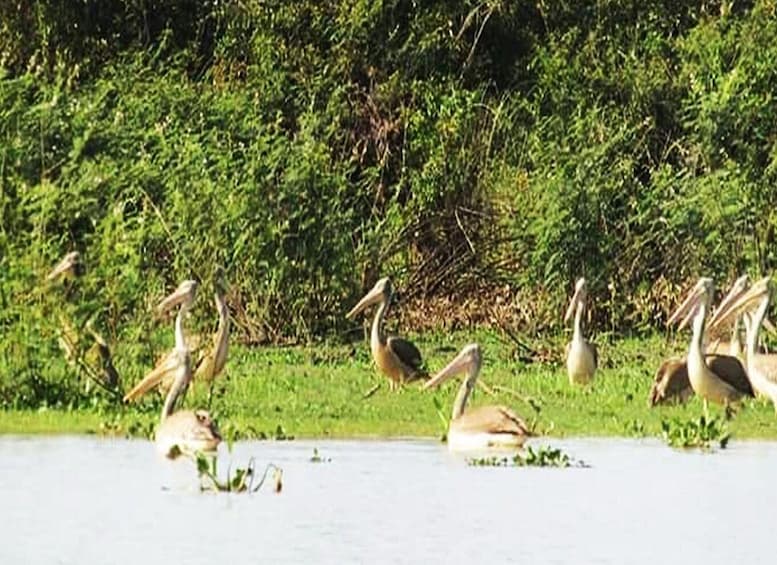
318,392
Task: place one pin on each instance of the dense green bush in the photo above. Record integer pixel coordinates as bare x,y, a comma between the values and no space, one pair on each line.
307,148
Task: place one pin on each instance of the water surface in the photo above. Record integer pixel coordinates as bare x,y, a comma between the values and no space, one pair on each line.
86,500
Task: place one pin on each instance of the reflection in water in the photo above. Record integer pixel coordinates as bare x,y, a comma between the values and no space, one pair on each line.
89,500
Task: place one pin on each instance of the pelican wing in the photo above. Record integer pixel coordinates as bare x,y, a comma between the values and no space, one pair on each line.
491,419
164,371
767,363
408,354
671,382
206,367
212,362
730,370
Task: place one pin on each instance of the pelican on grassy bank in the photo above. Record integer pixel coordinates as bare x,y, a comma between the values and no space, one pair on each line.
396,358
68,268
482,427
99,358
717,386
733,347
582,357
164,374
671,382
761,367
212,362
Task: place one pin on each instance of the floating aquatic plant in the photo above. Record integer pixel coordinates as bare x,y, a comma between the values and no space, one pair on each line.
544,456
700,432
241,480
316,457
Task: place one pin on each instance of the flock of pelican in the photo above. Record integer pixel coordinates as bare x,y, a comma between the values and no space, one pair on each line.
719,372
179,431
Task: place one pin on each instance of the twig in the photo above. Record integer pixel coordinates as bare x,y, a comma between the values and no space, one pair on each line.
461,227
531,401
370,392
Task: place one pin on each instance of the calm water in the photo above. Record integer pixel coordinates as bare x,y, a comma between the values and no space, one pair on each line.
86,500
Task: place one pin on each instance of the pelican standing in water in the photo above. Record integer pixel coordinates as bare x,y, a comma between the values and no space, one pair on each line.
213,361
396,358
185,431
482,427
582,357
715,386
671,382
761,367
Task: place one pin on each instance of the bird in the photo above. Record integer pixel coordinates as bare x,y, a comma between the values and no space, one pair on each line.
164,372
184,432
761,367
582,356
99,359
671,382
69,267
482,427
715,386
396,358
212,361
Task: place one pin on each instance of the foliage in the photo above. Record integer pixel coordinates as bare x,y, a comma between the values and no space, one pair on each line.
700,432
307,148
241,480
544,456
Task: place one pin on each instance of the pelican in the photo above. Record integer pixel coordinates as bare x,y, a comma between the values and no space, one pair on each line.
734,346
212,362
671,381
397,358
99,355
582,357
185,431
719,387
68,268
761,367
164,373
482,427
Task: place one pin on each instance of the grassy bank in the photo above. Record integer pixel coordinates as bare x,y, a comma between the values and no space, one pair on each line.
318,392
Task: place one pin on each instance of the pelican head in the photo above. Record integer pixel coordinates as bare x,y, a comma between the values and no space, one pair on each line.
184,294
468,360
737,289
744,302
69,267
700,294
379,293
578,298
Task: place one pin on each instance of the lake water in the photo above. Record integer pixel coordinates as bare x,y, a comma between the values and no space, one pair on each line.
86,500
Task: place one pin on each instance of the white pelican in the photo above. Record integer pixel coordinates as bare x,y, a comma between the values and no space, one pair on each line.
671,382
482,427
396,358
719,387
761,367
184,431
582,357
212,362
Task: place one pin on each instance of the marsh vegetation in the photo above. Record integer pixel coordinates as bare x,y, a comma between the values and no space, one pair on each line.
317,391
482,154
